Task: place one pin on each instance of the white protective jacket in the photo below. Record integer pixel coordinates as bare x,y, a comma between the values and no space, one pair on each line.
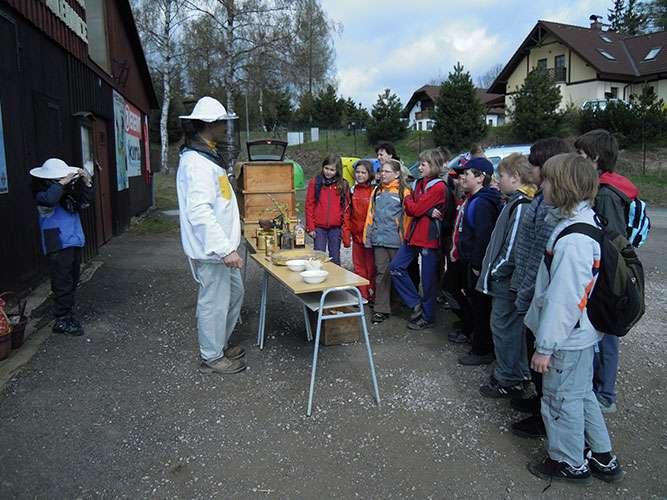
209,214
557,314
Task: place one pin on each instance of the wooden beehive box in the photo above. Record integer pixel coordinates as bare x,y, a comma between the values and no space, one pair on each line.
263,185
337,331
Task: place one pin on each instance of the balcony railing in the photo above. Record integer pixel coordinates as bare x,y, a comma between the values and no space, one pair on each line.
559,73
424,115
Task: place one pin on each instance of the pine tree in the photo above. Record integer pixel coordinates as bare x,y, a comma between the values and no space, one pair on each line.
534,112
616,15
634,18
386,123
459,114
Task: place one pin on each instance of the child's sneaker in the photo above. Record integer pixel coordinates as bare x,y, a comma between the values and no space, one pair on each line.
609,473
561,471
494,389
419,324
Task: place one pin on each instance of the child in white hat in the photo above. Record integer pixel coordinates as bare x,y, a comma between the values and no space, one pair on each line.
61,192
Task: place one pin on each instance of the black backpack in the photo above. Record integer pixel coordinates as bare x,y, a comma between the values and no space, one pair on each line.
617,301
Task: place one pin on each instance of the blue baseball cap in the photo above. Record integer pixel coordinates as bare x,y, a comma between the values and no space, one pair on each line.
481,164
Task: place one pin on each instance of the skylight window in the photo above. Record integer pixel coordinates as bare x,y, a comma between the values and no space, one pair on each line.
652,54
606,54
606,39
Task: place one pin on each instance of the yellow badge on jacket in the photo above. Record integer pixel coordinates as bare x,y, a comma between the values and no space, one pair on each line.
225,187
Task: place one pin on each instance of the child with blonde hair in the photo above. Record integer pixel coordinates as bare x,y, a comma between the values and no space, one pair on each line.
511,375
565,339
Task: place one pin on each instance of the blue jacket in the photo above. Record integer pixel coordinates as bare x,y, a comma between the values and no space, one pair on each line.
479,218
60,228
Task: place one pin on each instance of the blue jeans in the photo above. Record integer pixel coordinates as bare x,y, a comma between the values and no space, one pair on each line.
570,410
329,237
509,343
400,277
606,368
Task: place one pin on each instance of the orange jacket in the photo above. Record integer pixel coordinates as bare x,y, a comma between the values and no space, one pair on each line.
361,198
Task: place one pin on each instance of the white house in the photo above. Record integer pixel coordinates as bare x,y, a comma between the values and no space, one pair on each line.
588,64
420,107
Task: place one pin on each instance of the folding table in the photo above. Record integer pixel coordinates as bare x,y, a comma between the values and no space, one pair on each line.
339,289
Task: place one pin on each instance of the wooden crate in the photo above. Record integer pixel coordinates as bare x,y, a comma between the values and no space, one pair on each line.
337,331
256,206
267,177
263,185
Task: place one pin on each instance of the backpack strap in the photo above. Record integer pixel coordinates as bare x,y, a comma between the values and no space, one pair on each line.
579,228
520,201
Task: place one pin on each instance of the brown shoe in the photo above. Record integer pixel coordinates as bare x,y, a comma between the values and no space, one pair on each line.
234,352
223,365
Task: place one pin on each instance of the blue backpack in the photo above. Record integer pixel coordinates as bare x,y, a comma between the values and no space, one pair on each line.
639,223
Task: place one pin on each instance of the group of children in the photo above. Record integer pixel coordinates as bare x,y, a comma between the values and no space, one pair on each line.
491,231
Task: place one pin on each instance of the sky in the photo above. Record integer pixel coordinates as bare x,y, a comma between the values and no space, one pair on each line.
403,45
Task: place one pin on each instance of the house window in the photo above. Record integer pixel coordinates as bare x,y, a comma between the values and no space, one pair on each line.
87,150
614,93
605,38
652,54
490,122
419,125
606,54
542,63
98,48
559,68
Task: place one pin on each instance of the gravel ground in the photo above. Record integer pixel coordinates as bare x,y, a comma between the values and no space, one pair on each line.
123,411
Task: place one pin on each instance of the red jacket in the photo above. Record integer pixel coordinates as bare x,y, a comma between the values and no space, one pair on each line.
327,212
361,198
425,231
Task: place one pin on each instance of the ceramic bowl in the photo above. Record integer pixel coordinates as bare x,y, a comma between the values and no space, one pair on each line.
296,265
316,276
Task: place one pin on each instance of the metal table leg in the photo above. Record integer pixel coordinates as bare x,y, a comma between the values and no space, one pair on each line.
309,331
262,310
362,318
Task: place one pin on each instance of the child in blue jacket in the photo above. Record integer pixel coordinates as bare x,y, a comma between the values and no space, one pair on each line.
61,192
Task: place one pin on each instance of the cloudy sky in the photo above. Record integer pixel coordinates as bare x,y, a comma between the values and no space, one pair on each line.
403,45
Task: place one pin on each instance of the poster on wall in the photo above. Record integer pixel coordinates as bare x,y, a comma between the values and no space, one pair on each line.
133,140
4,183
119,133
147,150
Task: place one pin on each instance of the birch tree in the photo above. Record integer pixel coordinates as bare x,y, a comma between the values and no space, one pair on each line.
160,26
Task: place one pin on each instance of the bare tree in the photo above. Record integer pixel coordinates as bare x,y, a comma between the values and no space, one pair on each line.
160,23
485,80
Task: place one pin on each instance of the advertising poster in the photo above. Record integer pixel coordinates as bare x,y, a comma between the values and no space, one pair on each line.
133,140
4,184
147,150
119,132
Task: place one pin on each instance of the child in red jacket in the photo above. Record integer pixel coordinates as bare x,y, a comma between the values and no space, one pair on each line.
327,208
423,238
362,257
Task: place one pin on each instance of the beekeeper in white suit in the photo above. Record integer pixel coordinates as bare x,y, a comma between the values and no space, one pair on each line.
211,235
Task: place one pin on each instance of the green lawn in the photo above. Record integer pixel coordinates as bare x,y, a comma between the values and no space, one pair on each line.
652,187
345,144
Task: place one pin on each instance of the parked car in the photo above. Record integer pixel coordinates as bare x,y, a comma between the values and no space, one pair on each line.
493,153
597,104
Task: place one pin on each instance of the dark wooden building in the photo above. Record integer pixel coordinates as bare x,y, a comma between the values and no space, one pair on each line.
74,84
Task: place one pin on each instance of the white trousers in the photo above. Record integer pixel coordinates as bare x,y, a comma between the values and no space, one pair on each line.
218,306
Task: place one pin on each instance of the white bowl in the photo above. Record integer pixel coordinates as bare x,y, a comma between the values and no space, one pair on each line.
296,265
316,276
